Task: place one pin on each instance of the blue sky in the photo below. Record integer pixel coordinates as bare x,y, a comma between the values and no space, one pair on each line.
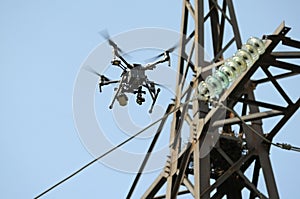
43,45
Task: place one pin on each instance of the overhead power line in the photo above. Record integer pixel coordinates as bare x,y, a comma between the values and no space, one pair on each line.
279,145
111,150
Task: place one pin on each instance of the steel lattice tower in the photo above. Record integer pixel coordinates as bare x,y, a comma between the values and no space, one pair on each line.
222,170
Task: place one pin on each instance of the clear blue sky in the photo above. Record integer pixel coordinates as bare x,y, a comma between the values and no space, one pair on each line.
44,43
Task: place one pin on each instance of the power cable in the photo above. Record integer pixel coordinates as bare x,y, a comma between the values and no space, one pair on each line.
279,145
214,103
112,149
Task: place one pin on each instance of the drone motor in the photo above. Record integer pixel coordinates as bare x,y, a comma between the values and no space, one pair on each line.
116,62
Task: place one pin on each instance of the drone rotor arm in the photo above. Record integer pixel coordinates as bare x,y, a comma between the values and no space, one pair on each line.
125,62
164,54
110,82
122,67
166,58
150,66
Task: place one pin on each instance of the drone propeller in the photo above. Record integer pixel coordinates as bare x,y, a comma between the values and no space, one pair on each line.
169,50
102,77
106,36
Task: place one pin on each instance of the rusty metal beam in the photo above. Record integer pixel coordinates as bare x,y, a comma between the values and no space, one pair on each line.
151,147
246,118
234,167
251,186
290,42
268,174
287,66
286,55
199,115
215,26
255,177
277,77
277,85
155,186
181,169
234,24
291,109
260,104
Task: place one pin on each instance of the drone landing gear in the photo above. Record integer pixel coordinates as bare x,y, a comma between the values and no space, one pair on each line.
154,100
154,93
117,94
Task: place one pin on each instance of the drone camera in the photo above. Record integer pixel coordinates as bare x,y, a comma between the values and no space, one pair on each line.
122,99
139,97
140,100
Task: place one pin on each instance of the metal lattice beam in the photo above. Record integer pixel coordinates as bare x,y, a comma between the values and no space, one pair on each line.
229,158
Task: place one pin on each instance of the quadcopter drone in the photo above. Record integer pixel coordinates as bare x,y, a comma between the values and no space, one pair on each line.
133,76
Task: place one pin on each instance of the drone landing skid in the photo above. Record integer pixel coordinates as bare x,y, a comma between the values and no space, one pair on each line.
154,100
153,93
117,93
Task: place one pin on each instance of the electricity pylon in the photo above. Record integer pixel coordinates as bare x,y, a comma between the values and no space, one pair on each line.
210,168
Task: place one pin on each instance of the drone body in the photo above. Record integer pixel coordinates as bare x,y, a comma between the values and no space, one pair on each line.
132,81
133,78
